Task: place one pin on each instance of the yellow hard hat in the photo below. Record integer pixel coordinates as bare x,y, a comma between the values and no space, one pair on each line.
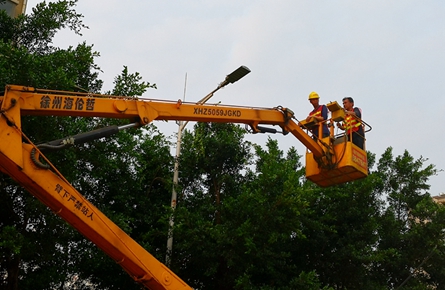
313,95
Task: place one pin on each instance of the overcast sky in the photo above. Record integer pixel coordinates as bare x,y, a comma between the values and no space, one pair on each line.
389,55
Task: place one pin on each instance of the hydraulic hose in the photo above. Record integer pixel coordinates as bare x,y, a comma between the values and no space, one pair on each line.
76,140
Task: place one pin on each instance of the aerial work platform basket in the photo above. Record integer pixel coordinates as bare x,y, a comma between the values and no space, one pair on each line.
349,163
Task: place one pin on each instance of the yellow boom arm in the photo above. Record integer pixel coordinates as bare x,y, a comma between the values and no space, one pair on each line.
57,103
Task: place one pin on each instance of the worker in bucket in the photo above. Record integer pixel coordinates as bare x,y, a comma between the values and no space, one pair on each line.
320,113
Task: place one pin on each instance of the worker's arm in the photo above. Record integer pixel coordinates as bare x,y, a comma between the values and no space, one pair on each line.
318,118
323,117
341,126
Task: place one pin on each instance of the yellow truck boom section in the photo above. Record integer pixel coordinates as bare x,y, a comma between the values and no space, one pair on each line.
58,103
18,159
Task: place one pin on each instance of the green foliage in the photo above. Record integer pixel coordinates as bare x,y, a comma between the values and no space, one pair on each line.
278,232
210,174
409,228
265,219
11,240
404,179
36,31
28,58
127,84
340,230
307,281
243,237
29,259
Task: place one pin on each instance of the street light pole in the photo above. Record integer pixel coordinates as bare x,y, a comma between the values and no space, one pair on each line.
230,79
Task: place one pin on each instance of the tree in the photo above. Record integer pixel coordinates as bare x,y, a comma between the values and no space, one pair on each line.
382,232
266,222
29,259
211,164
27,58
411,230
235,225
340,229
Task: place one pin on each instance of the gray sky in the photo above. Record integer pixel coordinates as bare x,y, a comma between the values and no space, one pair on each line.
389,55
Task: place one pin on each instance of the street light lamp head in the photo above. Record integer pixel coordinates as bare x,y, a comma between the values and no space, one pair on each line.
230,79
235,75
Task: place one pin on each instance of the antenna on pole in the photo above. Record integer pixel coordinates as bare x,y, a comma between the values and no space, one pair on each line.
183,97
181,126
185,87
